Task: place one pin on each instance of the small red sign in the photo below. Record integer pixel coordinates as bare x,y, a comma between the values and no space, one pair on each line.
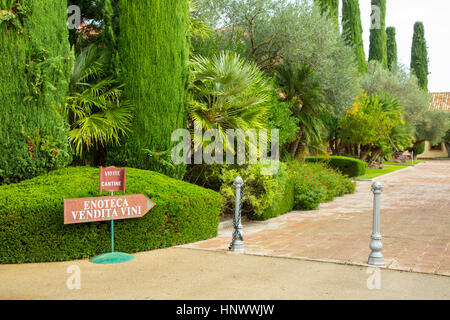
402,157
84,210
112,179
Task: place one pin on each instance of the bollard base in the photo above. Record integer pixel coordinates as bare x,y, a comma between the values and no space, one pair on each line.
376,259
237,246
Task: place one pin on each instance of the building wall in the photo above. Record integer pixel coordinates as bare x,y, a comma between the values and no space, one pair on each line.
433,153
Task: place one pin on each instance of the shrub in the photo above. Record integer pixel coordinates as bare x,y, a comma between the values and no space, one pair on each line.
32,217
284,198
265,196
348,166
315,183
34,72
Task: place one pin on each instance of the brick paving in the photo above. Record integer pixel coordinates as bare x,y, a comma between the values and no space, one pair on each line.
415,225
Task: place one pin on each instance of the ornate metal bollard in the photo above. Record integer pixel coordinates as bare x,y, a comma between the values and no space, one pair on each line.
237,245
376,257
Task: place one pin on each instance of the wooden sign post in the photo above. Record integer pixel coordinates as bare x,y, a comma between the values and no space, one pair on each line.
108,209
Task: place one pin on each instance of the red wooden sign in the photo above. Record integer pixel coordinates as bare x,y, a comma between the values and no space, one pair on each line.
106,208
112,179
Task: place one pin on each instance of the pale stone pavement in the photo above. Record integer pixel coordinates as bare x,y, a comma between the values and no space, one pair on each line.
415,225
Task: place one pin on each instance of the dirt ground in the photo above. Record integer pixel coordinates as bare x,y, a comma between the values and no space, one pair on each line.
182,273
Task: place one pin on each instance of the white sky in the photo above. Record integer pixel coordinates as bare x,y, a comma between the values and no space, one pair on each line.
402,14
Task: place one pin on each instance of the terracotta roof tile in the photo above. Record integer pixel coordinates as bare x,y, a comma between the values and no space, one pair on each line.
440,101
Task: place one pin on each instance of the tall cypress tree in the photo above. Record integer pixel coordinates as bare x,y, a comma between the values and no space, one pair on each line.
391,46
35,66
352,31
377,50
153,53
419,55
331,7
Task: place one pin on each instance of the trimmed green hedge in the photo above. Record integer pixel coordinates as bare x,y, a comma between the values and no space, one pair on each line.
32,216
349,166
35,68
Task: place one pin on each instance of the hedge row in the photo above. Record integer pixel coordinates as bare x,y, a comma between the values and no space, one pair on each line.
32,216
347,166
35,67
296,185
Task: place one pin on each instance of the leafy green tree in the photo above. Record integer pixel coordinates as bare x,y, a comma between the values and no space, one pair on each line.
426,124
374,127
419,55
432,126
296,33
154,52
95,110
352,31
377,50
330,7
391,46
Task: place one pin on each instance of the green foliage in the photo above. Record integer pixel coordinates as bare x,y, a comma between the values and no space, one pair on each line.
404,88
282,118
35,65
419,55
198,27
432,126
298,34
298,185
110,34
377,50
219,41
283,201
228,93
391,46
95,110
13,13
32,225
347,166
315,183
153,51
418,149
309,109
262,193
331,8
352,31
375,124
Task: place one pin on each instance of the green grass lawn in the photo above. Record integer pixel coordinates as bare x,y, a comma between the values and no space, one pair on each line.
405,164
372,173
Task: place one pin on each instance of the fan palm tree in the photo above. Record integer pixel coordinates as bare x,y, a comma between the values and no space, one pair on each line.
228,93
97,114
198,27
298,84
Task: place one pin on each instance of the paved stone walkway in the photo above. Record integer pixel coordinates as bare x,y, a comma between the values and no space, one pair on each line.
415,225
